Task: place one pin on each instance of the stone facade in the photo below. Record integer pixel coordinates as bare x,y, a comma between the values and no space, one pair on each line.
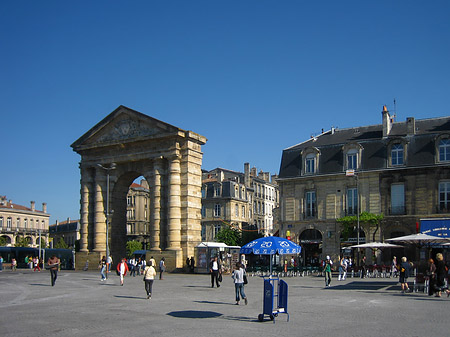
128,144
17,221
68,230
241,200
398,169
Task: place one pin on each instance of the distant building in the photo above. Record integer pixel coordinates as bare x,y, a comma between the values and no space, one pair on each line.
17,221
68,230
240,200
398,169
138,213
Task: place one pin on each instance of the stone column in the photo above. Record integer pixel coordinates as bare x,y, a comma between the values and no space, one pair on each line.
84,209
99,212
174,205
155,205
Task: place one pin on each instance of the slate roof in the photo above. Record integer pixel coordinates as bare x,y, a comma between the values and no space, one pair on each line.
421,146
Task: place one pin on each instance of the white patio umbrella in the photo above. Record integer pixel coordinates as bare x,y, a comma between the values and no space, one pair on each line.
376,245
419,239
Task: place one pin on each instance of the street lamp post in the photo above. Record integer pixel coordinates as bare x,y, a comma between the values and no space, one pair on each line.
112,166
352,173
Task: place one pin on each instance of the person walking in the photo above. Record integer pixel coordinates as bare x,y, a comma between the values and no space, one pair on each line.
36,264
53,264
149,276
405,271
122,269
327,270
162,268
1,263
431,273
343,269
394,270
192,264
363,267
441,273
102,265
13,264
109,261
215,270
238,277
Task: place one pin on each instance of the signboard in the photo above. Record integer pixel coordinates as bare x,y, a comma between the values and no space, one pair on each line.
436,227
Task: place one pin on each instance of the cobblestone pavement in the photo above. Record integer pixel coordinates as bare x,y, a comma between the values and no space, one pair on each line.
186,305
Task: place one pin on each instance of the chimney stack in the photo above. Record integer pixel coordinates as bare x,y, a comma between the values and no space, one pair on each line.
387,122
44,207
410,126
33,205
247,174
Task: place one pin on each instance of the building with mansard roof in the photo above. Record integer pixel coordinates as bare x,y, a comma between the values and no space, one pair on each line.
398,169
242,200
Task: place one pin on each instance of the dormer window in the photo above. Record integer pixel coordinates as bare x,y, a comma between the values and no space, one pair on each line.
310,164
397,155
217,190
444,150
310,161
352,159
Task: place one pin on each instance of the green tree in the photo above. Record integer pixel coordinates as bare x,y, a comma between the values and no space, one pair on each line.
2,241
22,242
228,235
348,223
132,246
61,244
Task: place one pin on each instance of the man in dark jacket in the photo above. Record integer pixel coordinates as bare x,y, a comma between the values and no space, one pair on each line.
215,269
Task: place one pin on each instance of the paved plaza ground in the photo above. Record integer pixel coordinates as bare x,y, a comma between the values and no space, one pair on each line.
186,305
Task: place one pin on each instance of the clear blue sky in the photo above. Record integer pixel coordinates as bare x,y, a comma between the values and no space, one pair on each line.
254,77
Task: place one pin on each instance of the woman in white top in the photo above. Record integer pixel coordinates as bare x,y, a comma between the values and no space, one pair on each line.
149,276
238,277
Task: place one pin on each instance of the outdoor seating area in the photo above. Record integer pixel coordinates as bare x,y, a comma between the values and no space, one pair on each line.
279,271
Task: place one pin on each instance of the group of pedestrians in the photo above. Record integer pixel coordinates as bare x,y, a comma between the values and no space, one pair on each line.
239,276
437,273
149,272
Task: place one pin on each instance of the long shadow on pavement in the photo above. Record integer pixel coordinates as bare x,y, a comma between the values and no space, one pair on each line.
211,302
194,314
132,297
364,285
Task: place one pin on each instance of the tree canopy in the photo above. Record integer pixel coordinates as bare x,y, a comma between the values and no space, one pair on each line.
349,222
132,246
229,236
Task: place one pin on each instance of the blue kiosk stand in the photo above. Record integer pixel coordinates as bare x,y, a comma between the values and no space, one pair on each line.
274,303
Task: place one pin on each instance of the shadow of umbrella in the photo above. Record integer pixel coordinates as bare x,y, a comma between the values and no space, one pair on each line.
194,314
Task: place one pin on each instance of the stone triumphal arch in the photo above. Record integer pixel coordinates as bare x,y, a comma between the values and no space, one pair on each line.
122,147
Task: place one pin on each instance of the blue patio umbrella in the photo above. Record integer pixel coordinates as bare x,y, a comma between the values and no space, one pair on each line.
271,245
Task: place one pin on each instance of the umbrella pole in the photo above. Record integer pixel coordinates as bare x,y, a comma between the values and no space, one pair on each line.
270,266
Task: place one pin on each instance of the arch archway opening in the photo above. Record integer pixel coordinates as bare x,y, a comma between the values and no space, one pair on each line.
311,242
129,213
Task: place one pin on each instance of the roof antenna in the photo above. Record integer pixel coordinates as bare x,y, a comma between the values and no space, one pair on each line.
395,109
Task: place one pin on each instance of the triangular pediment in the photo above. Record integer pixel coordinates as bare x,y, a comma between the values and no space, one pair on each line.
124,125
